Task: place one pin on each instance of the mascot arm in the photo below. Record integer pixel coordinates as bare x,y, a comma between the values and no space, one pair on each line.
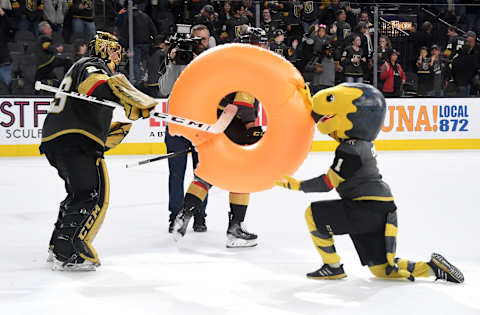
316,184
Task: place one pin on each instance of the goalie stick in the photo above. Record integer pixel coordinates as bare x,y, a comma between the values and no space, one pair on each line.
158,158
218,127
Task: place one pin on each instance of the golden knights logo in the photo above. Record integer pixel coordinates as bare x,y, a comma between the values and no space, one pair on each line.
237,31
308,7
296,10
31,5
87,3
279,51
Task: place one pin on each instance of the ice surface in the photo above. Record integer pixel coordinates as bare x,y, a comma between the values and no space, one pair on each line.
145,272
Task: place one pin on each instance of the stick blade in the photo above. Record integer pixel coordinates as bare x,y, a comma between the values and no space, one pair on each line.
224,120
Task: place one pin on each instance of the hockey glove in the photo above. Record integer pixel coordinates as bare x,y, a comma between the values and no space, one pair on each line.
289,183
118,131
134,113
254,134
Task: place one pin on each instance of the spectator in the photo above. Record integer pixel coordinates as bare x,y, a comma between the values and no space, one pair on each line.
268,25
353,60
464,68
249,11
79,49
452,45
54,11
30,13
320,39
48,56
207,17
5,59
439,72
424,38
323,68
83,18
424,73
341,29
393,76
293,22
383,53
145,32
156,65
238,19
278,46
310,14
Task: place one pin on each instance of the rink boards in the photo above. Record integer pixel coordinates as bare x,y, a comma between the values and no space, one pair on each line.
410,124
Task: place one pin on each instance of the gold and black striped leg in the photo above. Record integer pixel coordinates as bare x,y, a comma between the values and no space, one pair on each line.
323,242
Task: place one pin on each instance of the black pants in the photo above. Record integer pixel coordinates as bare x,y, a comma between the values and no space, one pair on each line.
364,221
74,157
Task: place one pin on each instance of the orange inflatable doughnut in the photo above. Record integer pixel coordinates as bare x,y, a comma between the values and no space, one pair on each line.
277,84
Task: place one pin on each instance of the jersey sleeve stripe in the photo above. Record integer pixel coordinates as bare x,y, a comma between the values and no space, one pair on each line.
95,86
243,104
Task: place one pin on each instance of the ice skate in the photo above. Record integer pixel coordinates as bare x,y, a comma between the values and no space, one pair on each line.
181,223
327,272
85,265
444,270
50,256
238,236
199,224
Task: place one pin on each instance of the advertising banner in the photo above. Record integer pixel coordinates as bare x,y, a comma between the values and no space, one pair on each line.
424,120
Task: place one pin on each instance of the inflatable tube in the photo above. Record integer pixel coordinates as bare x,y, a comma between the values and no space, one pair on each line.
277,84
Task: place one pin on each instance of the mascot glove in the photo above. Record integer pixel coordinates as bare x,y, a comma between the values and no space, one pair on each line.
289,183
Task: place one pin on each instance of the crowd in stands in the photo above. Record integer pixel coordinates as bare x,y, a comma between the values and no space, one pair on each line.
328,41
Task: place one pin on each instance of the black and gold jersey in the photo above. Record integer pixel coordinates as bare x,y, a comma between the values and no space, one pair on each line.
354,172
69,115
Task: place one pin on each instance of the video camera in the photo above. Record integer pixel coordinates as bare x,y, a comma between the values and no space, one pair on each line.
186,46
254,36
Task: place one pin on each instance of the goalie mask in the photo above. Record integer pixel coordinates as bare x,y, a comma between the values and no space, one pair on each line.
106,47
349,110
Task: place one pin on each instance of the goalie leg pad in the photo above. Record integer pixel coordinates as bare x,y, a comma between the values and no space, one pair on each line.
82,219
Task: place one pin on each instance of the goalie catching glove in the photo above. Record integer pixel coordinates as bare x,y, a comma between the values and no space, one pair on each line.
118,131
136,104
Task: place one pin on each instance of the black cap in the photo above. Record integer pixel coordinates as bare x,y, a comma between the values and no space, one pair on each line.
435,47
278,32
209,9
470,34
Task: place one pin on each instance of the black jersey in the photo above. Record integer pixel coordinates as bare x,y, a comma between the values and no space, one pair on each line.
352,61
69,115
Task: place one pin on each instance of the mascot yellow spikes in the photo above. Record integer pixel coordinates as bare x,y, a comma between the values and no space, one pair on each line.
353,114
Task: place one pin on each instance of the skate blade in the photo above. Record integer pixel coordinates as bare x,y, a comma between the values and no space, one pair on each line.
50,256
85,266
241,243
176,234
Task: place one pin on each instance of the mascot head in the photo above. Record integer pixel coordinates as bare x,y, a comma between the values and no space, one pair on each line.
349,110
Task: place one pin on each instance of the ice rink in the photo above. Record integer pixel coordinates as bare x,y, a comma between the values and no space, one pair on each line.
145,272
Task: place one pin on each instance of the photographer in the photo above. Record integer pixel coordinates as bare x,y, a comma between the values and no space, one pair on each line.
177,165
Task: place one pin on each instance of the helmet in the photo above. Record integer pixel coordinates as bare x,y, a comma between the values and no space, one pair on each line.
349,110
254,36
106,47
